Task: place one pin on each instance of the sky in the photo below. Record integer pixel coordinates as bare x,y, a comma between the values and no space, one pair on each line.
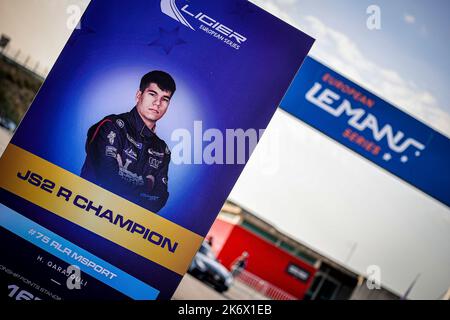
315,189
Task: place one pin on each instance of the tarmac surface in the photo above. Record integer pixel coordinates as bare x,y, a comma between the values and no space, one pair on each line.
192,289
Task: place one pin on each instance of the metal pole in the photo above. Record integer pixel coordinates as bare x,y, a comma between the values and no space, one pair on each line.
352,250
319,286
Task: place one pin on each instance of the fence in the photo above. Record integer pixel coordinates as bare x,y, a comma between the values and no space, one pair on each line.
265,288
25,61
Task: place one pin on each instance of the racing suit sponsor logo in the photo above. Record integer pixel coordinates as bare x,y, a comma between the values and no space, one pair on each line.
127,175
155,153
129,152
120,123
149,197
111,136
111,151
136,144
154,163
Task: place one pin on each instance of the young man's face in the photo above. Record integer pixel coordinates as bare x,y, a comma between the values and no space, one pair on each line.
152,104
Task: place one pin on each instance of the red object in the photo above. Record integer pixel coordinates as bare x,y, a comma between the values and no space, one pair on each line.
98,128
265,260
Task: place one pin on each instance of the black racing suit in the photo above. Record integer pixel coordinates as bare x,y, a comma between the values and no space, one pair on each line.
127,158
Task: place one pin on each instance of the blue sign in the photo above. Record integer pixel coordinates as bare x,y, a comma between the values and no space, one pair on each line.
90,168
371,127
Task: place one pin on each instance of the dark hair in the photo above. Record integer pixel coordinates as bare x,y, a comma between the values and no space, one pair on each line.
164,81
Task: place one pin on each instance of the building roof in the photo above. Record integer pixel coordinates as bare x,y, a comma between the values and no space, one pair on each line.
236,214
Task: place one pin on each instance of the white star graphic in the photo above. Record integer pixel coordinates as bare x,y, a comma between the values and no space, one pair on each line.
404,159
387,157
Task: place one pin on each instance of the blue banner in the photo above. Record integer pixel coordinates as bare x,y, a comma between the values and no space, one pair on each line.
74,255
139,133
371,127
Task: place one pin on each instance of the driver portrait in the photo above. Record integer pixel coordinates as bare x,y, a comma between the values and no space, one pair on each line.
123,152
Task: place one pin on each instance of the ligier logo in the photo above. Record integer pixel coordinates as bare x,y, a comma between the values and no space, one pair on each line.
208,24
170,8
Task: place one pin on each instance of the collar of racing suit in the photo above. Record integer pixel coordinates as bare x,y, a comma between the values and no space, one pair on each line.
143,130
